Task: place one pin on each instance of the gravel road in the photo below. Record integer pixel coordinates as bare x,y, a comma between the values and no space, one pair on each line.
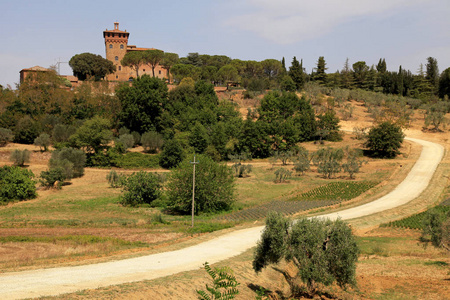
56,281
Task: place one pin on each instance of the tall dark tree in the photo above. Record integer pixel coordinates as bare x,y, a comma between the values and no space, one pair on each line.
432,73
444,83
347,80
381,66
360,70
90,66
320,75
296,73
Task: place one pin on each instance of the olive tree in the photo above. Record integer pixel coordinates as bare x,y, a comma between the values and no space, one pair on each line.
322,250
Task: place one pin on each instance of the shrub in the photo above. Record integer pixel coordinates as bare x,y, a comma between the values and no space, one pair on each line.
61,133
127,141
151,141
53,176
76,157
16,184
43,141
281,175
115,179
214,186
140,188
171,155
323,251
26,131
20,157
136,137
385,140
6,136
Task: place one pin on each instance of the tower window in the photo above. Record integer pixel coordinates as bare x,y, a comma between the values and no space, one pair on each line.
159,72
121,46
116,58
110,46
120,68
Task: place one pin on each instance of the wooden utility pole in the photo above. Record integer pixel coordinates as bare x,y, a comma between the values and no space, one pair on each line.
193,190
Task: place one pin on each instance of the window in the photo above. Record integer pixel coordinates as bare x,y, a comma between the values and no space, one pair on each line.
159,72
117,77
110,46
143,70
116,58
120,68
121,46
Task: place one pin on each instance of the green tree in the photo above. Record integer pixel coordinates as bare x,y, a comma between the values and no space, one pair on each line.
297,74
328,161
94,135
153,58
6,136
142,103
181,71
347,80
43,141
134,60
432,73
168,61
320,74
199,138
91,66
381,66
360,73
140,188
328,126
228,73
272,68
20,157
152,141
436,229
444,83
172,154
385,140
26,130
323,251
16,184
214,186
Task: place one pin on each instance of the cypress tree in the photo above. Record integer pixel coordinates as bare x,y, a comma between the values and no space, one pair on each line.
297,74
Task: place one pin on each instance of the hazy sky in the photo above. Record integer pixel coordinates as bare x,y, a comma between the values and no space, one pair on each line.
404,32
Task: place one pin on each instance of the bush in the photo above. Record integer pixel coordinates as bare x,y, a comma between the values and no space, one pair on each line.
171,155
20,157
26,131
76,157
61,133
151,141
16,184
385,140
140,188
6,136
43,141
53,176
115,179
323,251
126,140
214,186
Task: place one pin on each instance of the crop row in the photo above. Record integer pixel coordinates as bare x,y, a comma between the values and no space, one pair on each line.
341,190
415,221
283,207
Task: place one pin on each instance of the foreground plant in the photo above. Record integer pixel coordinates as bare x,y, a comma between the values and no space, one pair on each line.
224,284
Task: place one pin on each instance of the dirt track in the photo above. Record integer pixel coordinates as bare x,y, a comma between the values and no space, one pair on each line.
69,279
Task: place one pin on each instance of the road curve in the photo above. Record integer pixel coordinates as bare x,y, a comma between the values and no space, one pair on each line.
60,280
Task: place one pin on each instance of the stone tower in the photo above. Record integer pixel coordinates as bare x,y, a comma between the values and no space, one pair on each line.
116,43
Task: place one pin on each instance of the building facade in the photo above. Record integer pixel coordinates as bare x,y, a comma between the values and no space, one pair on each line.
116,46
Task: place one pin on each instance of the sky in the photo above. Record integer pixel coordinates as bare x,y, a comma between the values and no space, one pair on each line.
404,32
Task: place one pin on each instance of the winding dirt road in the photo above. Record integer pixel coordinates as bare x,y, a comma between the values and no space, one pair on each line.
70,279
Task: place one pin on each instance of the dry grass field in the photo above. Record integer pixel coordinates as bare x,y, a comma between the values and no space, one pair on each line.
84,223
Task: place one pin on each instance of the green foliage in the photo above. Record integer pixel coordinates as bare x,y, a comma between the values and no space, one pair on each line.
302,161
152,141
126,140
94,135
342,190
43,141
115,179
282,174
436,228
296,72
171,155
241,170
385,140
224,284
91,66
16,184
328,126
26,130
62,133
435,115
136,160
328,161
20,157
134,60
153,58
69,158
323,251
214,186
140,188
353,163
444,83
53,177
6,136
142,103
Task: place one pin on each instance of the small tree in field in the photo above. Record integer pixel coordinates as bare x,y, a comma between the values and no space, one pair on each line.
323,251
140,188
20,157
214,186
6,136
385,140
43,141
436,229
16,184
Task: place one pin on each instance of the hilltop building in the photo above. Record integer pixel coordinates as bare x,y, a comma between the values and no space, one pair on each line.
116,45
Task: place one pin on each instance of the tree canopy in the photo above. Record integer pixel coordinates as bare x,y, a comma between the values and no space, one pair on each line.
91,66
